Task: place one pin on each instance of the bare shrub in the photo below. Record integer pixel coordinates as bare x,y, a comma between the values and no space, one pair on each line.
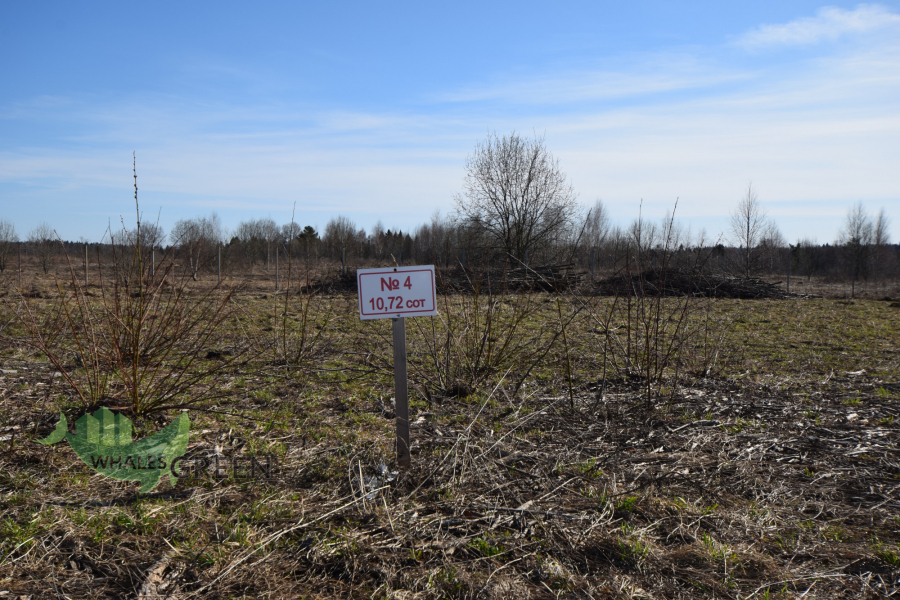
300,320
142,343
645,334
478,337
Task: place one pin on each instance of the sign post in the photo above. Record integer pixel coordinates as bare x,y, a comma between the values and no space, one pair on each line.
401,393
396,293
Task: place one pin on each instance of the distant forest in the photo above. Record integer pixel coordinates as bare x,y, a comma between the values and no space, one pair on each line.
202,244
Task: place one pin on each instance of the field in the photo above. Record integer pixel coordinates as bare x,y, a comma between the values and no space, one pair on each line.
563,446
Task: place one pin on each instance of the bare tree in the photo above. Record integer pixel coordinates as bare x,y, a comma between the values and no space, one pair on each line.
857,238
151,236
807,255
256,237
340,235
41,241
198,238
436,242
749,225
596,228
880,240
880,235
515,191
8,239
771,248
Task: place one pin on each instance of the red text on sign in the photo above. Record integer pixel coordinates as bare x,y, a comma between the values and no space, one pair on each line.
395,303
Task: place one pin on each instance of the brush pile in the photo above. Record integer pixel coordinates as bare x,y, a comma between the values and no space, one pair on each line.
683,282
548,278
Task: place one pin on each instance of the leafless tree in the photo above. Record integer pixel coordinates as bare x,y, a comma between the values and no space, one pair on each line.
256,237
749,226
198,239
289,232
8,239
880,240
596,227
340,235
807,256
41,239
436,242
880,234
771,248
516,192
151,236
857,239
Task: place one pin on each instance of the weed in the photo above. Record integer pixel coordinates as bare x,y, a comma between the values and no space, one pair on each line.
589,468
834,534
890,555
484,547
716,550
633,550
627,505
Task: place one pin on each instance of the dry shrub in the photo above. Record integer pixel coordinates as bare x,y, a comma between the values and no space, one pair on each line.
478,337
140,340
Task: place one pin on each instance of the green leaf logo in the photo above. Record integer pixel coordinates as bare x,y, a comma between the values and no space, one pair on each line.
103,441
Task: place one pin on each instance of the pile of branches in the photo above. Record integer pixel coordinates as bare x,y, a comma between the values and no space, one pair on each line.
458,279
550,278
337,281
684,282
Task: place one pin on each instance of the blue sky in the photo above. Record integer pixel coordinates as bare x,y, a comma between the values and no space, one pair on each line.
369,110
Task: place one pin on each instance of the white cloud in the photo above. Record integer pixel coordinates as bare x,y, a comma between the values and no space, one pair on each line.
829,24
644,76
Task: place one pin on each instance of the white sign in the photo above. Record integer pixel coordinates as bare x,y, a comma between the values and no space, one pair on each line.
396,292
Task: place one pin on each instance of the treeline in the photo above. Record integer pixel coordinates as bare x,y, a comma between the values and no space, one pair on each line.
203,245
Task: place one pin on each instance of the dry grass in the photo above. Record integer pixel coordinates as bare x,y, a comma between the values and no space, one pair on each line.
775,476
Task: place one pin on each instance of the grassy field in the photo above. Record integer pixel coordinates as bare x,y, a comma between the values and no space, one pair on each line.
563,447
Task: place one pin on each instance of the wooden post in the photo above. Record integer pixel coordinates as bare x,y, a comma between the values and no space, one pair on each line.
789,275
85,264
276,268
152,261
20,265
219,267
401,393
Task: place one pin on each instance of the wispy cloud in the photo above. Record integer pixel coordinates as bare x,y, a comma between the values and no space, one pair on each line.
647,75
830,23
